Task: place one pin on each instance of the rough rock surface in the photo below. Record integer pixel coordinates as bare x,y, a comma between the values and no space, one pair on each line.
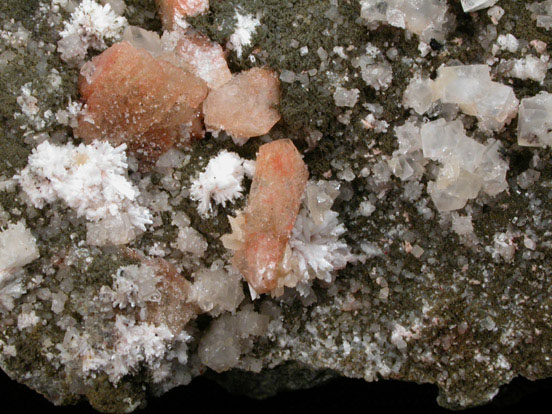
457,299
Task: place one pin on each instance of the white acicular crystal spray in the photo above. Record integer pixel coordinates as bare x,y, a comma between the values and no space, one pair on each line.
535,121
221,181
246,26
316,249
91,179
90,26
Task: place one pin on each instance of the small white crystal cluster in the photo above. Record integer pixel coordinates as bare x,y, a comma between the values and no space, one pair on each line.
542,12
134,344
17,249
246,26
407,163
229,337
375,70
188,240
467,167
315,249
528,67
221,181
535,121
471,88
475,5
90,26
426,18
133,286
216,290
91,179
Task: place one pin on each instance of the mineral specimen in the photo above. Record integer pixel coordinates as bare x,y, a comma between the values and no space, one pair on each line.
245,106
418,250
274,201
133,98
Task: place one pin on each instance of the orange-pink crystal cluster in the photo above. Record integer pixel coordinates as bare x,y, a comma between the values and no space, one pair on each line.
245,107
278,186
154,100
134,98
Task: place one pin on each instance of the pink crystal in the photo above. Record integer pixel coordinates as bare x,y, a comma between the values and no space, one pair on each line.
278,186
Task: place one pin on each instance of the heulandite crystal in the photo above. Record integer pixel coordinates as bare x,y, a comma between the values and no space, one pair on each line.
278,186
133,98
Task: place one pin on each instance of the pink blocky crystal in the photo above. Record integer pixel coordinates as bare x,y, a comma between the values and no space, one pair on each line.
171,10
203,58
278,186
174,308
245,107
133,98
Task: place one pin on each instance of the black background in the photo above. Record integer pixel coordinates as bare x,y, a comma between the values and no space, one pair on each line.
340,396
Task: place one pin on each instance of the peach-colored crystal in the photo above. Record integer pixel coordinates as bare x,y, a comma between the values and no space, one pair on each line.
174,308
133,98
278,186
203,58
244,107
170,10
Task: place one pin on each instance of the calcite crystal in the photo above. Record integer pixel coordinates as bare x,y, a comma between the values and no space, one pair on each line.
172,11
467,166
475,5
542,13
471,88
133,98
274,201
244,107
426,18
535,121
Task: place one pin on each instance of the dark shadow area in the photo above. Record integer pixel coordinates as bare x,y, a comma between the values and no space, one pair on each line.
341,395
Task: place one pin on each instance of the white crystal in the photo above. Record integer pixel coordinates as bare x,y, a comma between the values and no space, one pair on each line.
535,121
419,95
471,88
215,290
426,18
467,166
346,97
474,5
